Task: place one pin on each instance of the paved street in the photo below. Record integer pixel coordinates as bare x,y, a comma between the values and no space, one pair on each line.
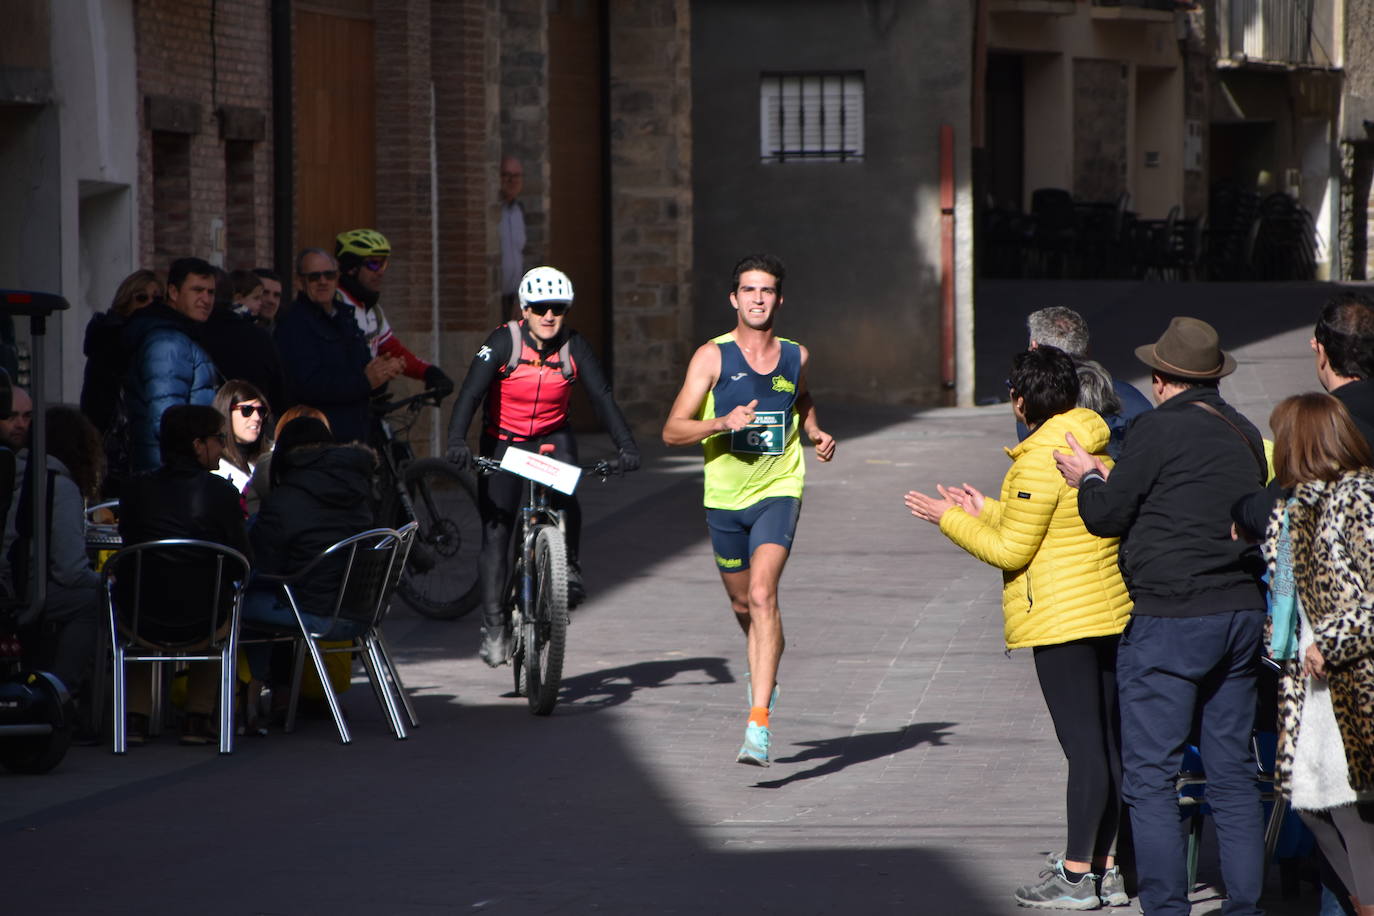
916,767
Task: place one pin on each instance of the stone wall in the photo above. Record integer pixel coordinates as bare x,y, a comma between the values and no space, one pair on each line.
651,203
207,78
1101,98
525,112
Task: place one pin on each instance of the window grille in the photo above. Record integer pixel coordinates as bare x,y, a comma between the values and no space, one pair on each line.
815,117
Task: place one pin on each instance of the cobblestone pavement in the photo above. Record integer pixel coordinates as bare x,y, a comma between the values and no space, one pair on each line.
916,768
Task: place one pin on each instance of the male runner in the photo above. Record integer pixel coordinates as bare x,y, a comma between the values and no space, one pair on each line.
745,400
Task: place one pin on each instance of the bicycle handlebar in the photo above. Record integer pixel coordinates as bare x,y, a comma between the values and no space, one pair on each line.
606,467
427,398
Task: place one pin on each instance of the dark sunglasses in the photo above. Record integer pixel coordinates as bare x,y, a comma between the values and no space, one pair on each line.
315,276
376,265
541,308
222,437
247,410
142,298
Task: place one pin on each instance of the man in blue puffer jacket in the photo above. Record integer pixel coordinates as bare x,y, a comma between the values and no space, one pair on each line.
167,364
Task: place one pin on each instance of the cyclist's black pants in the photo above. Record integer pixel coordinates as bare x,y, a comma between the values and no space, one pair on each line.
498,499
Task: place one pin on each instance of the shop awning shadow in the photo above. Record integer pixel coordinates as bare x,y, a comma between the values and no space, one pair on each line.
485,807
1122,315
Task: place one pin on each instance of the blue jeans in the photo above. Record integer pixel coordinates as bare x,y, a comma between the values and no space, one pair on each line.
1171,672
268,607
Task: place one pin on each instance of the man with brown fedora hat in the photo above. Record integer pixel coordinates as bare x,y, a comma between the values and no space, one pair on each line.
1192,648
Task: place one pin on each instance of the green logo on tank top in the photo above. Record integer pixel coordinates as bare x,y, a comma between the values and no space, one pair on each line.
780,383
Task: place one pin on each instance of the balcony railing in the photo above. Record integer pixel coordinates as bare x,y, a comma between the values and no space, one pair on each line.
1291,32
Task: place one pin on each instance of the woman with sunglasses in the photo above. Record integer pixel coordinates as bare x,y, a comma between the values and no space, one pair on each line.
106,361
524,373
244,406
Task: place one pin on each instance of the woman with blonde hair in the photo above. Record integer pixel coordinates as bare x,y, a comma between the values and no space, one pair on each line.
106,359
1323,537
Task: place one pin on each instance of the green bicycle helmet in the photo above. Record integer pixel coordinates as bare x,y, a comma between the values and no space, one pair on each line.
362,243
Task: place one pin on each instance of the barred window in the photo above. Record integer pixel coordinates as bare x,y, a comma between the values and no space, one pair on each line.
812,116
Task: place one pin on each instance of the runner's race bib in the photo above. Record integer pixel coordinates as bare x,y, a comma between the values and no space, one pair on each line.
765,436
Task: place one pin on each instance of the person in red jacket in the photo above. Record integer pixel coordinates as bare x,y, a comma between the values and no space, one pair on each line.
526,392
363,256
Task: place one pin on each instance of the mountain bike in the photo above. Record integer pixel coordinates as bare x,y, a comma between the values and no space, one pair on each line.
537,593
440,578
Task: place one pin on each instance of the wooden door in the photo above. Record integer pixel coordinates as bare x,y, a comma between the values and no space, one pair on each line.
336,148
577,189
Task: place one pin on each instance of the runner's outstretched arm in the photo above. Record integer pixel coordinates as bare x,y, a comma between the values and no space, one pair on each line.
806,412
683,426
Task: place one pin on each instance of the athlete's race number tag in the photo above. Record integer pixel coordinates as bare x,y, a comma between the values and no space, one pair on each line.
765,436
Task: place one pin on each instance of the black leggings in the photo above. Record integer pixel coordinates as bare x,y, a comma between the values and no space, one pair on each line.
1078,680
498,499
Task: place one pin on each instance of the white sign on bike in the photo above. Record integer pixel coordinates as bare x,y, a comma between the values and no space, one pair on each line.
550,472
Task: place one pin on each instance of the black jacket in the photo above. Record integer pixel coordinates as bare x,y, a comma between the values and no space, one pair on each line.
321,495
106,361
1169,499
1251,513
179,500
325,358
242,349
491,359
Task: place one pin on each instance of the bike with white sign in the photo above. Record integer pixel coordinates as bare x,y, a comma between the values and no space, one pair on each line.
537,591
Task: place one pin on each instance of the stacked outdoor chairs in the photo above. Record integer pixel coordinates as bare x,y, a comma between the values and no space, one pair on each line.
152,624
1243,236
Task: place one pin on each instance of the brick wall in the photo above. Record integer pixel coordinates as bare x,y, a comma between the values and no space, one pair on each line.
204,65
651,203
467,99
404,198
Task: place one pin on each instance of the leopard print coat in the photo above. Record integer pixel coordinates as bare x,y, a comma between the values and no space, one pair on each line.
1332,529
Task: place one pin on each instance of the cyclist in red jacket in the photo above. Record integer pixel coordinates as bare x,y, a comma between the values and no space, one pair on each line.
524,373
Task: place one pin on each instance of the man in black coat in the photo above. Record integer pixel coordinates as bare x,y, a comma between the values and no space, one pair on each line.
1191,651
327,361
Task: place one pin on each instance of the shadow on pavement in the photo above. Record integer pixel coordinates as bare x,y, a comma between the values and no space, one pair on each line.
1122,315
484,808
839,753
613,686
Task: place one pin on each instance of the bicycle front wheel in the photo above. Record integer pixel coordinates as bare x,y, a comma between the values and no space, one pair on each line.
440,578
546,630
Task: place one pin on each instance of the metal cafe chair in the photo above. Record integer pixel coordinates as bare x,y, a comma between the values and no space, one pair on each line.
154,618
361,572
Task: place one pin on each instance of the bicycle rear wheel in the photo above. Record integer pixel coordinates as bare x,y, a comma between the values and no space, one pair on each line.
440,579
546,632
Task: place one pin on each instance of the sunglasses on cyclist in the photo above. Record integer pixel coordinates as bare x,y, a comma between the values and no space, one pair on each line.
315,276
376,265
247,410
541,308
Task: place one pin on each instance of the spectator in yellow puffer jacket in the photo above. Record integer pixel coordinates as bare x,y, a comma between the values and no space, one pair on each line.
1064,598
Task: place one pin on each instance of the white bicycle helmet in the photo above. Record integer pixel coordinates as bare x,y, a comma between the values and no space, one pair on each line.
545,284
